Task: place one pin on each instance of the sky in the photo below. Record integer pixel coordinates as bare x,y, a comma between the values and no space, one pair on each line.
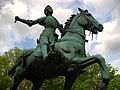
107,12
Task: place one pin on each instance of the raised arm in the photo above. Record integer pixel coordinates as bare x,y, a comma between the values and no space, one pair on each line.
29,22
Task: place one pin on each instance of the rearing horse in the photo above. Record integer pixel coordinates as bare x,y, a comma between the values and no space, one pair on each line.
68,60
72,45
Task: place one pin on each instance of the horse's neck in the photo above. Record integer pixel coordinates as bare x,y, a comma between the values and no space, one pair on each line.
75,33
76,28
75,25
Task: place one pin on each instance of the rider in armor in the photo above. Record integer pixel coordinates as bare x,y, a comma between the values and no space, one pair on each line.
48,36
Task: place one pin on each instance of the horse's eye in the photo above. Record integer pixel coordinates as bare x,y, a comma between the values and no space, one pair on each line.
88,14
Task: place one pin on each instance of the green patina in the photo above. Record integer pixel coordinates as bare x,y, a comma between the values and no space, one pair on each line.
68,57
48,35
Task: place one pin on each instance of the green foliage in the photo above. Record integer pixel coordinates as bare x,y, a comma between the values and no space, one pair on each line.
85,81
55,84
25,85
7,61
89,79
114,84
5,82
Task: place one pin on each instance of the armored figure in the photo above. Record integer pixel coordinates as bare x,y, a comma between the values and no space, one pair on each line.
48,36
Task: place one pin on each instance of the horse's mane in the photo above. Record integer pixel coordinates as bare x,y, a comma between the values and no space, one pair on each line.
68,21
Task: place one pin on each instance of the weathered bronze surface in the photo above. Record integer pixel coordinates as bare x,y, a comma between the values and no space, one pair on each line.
48,36
63,57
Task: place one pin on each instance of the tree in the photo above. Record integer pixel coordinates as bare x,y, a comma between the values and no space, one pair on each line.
7,61
114,83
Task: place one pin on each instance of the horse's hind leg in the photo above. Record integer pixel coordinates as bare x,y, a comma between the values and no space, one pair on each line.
18,77
70,79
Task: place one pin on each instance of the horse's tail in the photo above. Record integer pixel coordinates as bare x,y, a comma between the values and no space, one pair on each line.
12,71
18,62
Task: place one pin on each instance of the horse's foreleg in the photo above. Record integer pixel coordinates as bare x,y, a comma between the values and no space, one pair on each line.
93,59
86,61
105,72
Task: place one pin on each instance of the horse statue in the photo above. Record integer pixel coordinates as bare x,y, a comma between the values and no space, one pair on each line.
68,59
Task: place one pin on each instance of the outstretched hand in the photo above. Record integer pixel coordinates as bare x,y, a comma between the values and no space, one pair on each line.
16,19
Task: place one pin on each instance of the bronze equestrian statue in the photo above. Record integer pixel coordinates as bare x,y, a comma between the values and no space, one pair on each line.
68,57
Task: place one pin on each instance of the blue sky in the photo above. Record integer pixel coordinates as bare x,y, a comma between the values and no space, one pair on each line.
19,35
27,43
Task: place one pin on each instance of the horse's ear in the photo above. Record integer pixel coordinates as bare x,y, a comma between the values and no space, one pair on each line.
86,10
80,9
38,41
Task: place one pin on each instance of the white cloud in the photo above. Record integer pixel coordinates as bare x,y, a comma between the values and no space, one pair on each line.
103,4
19,8
62,14
103,7
57,1
10,32
110,37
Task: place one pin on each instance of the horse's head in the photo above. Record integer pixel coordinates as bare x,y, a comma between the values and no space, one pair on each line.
89,22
